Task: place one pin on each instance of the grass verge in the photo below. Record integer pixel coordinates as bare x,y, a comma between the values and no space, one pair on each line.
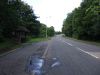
9,45
37,40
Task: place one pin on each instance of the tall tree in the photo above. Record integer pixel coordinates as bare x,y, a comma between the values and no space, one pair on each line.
15,13
84,21
51,31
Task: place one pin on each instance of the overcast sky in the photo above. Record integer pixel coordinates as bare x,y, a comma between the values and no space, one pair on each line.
53,12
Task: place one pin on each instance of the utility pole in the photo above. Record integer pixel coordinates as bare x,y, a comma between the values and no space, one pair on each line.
46,32
46,26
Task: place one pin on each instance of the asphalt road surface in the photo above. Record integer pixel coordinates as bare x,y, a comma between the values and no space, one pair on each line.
14,63
75,58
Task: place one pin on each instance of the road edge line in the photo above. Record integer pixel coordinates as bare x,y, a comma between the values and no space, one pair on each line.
11,51
87,52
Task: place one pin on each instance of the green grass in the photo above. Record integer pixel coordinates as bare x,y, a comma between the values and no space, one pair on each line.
7,46
85,41
37,39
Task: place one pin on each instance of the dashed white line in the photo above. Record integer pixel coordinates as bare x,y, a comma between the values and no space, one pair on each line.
67,43
87,52
46,50
44,55
80,49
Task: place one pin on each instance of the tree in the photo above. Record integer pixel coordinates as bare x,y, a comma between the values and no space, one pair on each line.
83,22
43,30
50,31
16,14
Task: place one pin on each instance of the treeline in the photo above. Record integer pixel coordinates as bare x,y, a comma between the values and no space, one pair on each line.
46,31
17,20
84,22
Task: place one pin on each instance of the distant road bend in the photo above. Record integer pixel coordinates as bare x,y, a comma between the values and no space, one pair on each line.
76,58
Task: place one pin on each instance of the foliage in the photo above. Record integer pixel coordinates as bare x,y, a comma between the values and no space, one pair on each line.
46,30
14,14
43,30
84,22
50,31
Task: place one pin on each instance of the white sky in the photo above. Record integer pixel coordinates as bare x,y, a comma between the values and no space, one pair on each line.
53,12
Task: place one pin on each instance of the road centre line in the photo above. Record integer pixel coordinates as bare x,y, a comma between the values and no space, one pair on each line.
46,50
86,52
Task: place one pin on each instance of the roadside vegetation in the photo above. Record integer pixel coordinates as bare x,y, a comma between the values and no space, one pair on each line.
8,45
84,22
32,40
18,22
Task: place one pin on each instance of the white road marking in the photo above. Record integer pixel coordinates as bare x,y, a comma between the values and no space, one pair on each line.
80,49
45,52
44,55
87,52
67,42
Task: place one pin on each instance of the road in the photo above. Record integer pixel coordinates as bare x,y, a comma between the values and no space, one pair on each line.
15,62
76,58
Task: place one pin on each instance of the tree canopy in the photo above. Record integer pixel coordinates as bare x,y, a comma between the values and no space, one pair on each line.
84,22
49,31
15,14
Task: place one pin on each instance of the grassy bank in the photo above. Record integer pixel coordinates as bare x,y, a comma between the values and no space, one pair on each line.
97,43
37,39
9,45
